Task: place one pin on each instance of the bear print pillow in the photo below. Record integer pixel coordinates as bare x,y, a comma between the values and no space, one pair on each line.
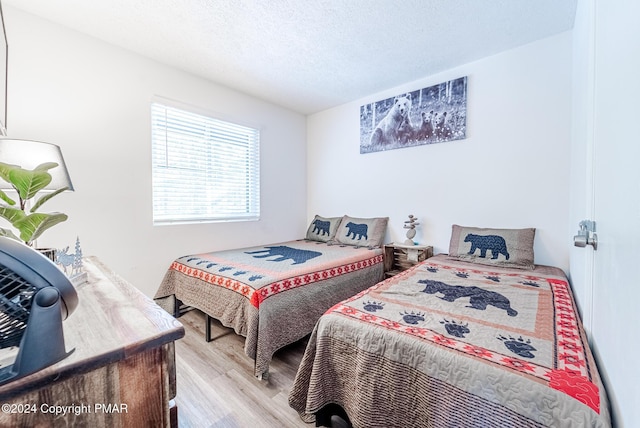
362,232
511,248
323,229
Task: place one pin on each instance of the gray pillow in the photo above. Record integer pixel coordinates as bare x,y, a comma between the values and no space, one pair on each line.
362,232
495,247
323,229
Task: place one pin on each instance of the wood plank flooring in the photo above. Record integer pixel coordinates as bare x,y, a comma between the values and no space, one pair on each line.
216,386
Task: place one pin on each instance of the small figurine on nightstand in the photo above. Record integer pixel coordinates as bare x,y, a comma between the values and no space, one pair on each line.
411,225
65,260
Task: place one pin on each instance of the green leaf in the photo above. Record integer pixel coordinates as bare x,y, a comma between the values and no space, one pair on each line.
5,169
45,166
12,214
46,197
8,234
33,225
28,183
6,198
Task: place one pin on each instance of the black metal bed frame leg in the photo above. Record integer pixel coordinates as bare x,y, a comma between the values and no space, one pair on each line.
332,415
176,307
207,327
179,309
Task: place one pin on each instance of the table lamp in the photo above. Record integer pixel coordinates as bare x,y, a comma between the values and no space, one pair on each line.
29,167
29,154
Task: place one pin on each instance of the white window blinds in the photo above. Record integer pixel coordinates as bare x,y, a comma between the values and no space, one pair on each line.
204,169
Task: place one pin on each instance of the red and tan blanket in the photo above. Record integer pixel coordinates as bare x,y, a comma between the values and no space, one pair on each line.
274,294
451,343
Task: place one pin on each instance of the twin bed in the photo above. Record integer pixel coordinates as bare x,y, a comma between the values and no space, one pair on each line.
478,337
458,340
273,295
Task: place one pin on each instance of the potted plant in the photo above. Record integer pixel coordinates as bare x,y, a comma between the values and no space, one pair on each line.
24,216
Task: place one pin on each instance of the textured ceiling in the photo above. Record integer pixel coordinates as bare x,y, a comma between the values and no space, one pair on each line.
310,55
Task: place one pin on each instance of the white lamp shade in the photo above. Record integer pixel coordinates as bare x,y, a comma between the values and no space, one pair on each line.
29,154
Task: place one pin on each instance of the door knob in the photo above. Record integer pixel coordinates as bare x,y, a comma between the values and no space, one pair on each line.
586,235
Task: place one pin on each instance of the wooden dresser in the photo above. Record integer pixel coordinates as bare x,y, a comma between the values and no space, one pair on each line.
121,373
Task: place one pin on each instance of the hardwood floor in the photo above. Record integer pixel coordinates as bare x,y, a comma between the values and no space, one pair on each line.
216,386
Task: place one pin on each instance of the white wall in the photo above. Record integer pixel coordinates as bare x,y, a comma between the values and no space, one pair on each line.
93,100
511,171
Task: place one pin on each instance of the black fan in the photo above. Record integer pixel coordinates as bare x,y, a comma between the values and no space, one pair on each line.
35,297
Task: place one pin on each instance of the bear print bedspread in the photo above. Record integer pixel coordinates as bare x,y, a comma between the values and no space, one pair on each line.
274,294
449,343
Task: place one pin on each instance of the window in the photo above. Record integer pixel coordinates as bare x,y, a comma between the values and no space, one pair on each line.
204,169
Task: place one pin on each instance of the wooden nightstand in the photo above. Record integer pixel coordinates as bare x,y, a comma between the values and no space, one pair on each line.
399,257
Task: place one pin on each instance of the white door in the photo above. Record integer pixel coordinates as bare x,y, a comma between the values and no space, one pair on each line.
616,198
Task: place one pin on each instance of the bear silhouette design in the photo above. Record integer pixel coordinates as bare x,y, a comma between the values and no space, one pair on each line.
321,227
357,230
298,256
495,243
479,298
